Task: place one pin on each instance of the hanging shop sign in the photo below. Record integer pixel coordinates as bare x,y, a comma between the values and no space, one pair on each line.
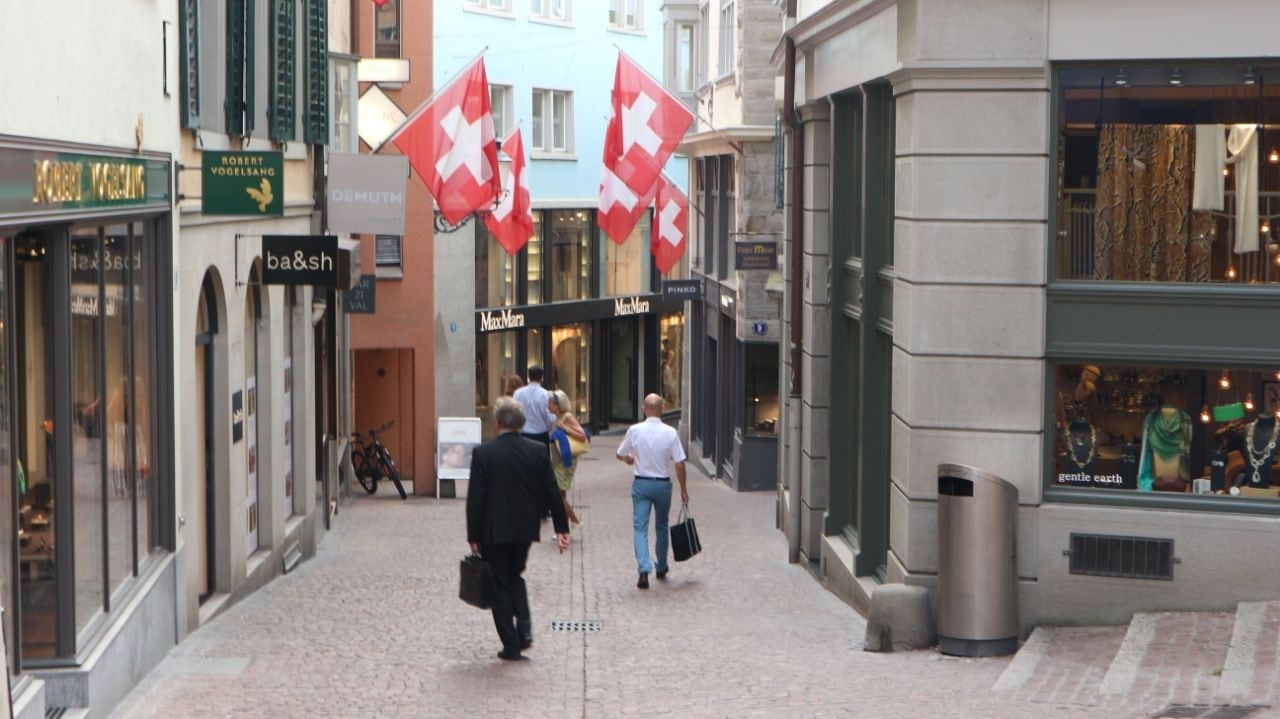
242,183
43,181
755,256
681,290
502,319
367,193
300,260
362,298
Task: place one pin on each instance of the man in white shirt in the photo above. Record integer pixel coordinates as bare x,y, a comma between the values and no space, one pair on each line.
651,448
538,418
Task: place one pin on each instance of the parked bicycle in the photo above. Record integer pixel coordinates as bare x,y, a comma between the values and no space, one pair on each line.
372,461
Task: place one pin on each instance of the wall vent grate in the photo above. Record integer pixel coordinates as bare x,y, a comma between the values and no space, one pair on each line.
1102,555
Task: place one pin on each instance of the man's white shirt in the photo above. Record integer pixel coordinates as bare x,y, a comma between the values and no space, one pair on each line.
656,446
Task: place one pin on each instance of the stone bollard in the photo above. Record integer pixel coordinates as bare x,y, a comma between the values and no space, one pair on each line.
900,619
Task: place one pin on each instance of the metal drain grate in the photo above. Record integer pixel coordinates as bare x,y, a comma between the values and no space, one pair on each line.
580,625
1209,711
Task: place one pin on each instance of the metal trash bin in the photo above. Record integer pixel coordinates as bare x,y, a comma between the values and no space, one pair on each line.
977,563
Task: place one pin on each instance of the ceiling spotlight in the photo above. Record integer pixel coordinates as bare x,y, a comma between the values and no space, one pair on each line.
1205,417
1121,78
1274,157
1175,77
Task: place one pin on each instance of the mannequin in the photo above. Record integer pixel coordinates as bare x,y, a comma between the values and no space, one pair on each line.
1166,449
1260,449
1082,445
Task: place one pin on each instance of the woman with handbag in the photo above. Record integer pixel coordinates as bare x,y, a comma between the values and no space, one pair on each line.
568,442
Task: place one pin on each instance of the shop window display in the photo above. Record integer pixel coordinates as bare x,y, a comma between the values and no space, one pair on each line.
1169,174
761,389
1159,429
671,354
571,366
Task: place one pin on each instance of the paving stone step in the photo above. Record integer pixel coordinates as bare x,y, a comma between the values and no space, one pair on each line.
1158,659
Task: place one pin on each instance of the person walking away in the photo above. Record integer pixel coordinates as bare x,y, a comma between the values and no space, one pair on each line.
652,448
533,398
511,485
562,460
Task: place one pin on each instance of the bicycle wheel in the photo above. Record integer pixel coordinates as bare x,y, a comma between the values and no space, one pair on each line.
390,471
364,472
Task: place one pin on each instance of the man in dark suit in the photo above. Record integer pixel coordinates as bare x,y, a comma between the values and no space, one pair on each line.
511,486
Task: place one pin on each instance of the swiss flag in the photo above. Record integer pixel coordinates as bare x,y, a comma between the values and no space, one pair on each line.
624,207
511,222
670,224
644,128
450,142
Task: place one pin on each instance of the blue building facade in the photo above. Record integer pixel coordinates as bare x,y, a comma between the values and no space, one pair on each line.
586,308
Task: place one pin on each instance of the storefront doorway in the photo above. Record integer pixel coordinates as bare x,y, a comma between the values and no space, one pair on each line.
623,370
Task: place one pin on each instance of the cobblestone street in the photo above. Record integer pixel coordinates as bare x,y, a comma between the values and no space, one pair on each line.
372,627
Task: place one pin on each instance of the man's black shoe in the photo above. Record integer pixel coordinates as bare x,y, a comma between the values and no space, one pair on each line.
644,581
662,574
512,656
526,642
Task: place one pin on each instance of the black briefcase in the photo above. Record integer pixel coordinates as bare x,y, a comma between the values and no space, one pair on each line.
477,581
684,536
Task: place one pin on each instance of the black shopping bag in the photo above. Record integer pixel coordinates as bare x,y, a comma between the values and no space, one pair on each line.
684,536
477,581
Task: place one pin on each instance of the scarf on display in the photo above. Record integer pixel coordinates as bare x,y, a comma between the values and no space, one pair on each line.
1165,436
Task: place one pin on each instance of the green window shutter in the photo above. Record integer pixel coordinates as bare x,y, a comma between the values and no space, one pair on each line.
190,10
317,124
283,69
250,61
233,104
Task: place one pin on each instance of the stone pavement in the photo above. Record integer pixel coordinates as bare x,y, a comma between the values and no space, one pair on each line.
372,627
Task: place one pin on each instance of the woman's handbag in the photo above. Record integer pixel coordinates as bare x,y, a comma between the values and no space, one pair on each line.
684,536
578,447
477,581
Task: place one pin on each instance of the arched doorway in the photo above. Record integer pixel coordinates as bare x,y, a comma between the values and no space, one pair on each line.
253,321
203,381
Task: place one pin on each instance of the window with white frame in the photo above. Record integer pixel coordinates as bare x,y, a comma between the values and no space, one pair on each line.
388,259
558,10
625,14
386,20
552,129
500,100
726,38
684,57
704,43
491,5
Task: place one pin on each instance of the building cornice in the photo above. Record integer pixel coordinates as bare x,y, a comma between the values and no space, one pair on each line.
826,23
717,141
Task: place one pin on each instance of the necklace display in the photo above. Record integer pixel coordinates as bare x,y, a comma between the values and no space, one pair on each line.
1257,461
1074,442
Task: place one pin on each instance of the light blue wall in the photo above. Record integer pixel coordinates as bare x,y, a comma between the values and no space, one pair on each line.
580,57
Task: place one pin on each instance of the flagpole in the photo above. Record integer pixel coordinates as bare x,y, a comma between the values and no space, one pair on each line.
426,102
693,111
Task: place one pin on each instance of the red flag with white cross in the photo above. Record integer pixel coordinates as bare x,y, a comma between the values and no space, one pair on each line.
511,222
644,128
670,225
449,141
